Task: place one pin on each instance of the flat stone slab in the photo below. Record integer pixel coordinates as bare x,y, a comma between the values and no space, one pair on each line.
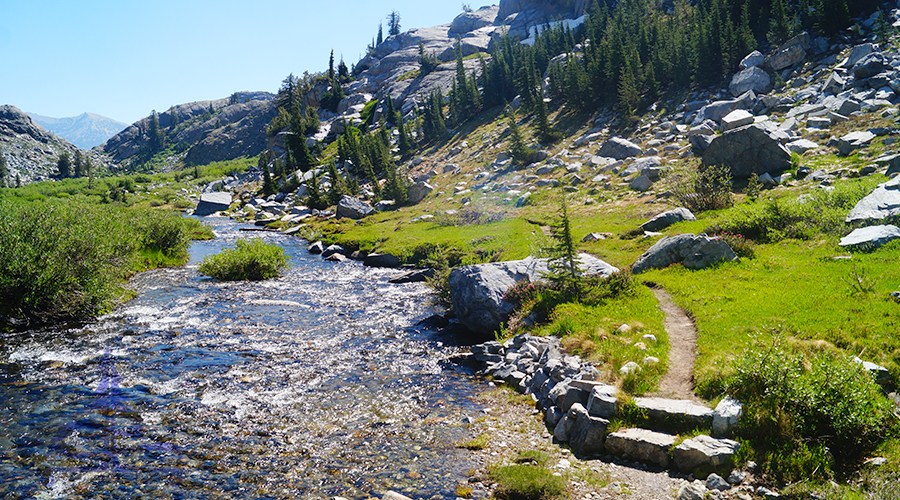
662,408
881,203
871,237
801,146
737,118
854,140
641,444
705,451
211,203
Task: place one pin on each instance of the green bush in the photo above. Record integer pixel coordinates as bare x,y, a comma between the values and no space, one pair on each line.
527,482
821,211
821,410
61,260
252,260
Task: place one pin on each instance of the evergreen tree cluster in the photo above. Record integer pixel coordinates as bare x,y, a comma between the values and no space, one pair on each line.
630,51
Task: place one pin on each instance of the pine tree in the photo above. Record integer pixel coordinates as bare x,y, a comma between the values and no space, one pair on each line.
64,165
268,184
157,137
520,153
404,142
546,133
395,186
393,23
629,98
89,170
336,191
780,23
314,198
565,272
4,171
78,164
343,72
380,39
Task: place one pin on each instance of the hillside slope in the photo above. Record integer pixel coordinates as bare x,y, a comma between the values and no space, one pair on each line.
30,151
206,131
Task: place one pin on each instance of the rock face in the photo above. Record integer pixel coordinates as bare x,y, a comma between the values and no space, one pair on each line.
691,250
619,148
471,21
881,203
666,219
870,238
30,151
353,208
753,78
477,291
751,149
212,202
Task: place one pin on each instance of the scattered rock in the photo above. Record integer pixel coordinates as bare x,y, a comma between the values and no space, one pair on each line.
726,416
641,183
737,118
418,191
692,491
853,141
754,78
381,260
666,219
333,249
753,59
801,146
705,451
717,482
353,208
415,276
619,148
751,149
871,237
316,248
691,250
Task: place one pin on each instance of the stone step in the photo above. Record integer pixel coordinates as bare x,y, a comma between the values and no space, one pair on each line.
642,445
674,415
655,448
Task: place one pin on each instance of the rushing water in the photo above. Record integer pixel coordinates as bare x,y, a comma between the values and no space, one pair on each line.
315,384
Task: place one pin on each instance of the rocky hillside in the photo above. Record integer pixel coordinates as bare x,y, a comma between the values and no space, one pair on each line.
31,152
204,131
393,66
85,130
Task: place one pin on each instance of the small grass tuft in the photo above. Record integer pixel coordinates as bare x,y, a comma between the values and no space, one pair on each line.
527,482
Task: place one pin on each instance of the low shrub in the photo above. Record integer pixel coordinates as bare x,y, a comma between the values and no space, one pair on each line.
527,482
252,260
803,413
701,188
821,211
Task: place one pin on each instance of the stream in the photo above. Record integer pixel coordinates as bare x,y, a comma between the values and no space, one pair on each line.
319,383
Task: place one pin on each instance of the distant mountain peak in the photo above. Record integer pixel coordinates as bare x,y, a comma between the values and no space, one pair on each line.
85,130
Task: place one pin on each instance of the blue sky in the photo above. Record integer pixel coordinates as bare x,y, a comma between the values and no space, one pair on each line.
122,59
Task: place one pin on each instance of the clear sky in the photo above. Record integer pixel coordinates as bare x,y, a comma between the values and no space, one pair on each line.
122,59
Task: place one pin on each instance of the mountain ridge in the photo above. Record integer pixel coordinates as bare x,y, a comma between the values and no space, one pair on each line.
86,130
